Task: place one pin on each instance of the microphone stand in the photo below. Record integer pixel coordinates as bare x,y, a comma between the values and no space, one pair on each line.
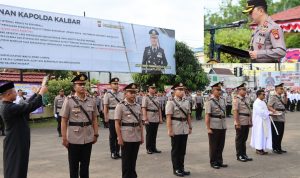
213,46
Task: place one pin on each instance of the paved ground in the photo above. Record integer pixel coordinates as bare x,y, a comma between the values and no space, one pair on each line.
48,157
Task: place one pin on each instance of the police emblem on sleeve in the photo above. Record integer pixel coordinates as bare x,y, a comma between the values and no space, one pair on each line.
275,33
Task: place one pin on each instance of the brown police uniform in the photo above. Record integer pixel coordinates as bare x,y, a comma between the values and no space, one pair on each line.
111,99
130,116
267,39
152,106
80,131
58,102
277,103
215,108
243,117
180,127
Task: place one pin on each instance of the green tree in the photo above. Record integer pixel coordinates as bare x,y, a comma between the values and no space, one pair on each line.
188,72
292,40
238,38
55,85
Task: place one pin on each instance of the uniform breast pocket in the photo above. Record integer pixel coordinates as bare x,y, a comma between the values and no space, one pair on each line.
176,111
90,109
260,39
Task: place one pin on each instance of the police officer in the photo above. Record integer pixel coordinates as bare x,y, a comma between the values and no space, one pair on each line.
277,104
154,56
267,42
152,118
110,101
128,123
228,104
58,102
242,121
79,128
199,105
216,126
179,125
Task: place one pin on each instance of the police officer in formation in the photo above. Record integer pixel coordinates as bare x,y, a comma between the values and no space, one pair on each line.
129,128
199,100
58,102
152,117
110,101
154,55
228,104
79,128
216,126
179,126
242,121
277,104
267,43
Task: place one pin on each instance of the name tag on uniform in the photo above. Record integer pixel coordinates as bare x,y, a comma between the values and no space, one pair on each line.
159,55
261,40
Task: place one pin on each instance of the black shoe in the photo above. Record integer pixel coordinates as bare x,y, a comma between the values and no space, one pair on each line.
186,173
283,151
114,156
118,155
156,151
223,165
277,151
215,166
149,152
241,158
178,173
247,158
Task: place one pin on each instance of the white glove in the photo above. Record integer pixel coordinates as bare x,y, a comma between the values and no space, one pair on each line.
55,115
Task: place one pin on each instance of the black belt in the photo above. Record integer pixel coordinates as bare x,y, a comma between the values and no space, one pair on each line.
131,124
280,109
81,124
217,116
178,119
244,114
58,107
111,108
152,110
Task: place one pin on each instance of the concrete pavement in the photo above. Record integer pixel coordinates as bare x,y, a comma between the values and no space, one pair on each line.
48,158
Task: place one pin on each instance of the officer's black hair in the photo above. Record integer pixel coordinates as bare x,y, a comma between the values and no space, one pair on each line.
264,8
259,92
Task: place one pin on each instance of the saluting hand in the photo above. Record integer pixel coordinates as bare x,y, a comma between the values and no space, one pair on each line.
65,143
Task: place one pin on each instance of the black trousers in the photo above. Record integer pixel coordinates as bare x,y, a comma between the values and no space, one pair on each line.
129,156
199,110
79,155
151,134
276,139
113,140
298,105
58,119
241,139
216,145
178,143
228,110
292,106
288,104
2,126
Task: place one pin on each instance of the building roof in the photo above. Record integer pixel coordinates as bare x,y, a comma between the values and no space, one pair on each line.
287,15
220,71
31,77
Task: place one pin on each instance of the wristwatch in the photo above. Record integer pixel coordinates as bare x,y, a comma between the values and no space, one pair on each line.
96,135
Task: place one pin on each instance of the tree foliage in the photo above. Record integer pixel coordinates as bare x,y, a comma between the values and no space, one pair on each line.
188,72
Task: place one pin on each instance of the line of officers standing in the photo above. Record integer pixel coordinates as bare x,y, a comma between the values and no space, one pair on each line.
215,119
79,125
125,117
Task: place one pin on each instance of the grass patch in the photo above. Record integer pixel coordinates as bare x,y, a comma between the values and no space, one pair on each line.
44,123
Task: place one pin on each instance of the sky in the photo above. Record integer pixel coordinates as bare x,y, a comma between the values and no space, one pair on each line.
184,16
